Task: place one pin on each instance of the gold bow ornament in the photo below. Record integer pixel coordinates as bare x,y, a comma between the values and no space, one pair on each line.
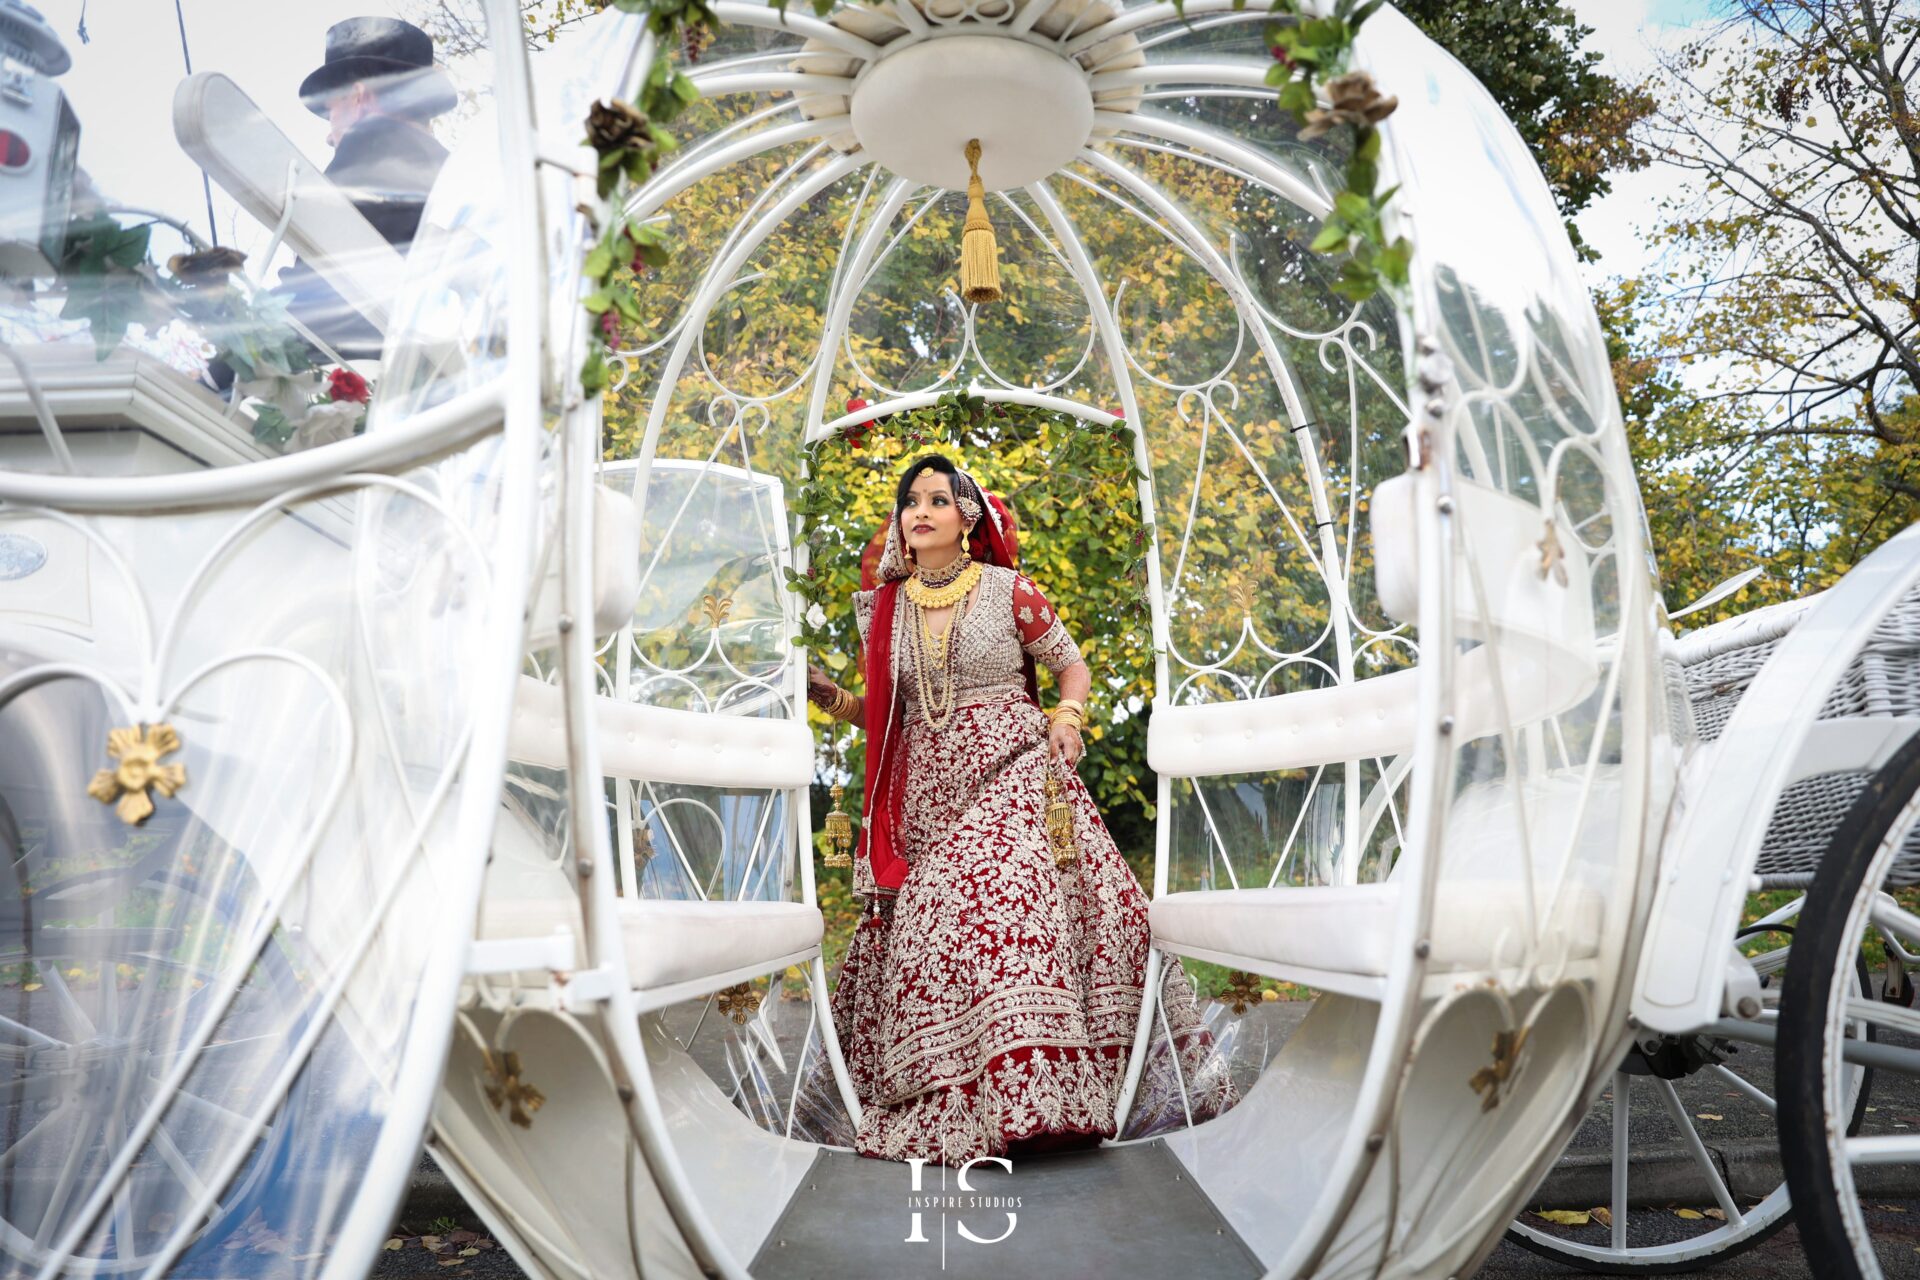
139,771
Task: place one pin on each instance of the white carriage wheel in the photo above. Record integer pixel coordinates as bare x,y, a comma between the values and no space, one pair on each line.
1742,1229
1816,1045
25,1051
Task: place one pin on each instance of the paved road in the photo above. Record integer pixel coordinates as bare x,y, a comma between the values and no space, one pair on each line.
1734,1128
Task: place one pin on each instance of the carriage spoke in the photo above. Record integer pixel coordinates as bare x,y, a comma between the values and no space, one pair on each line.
1895,919
1698,1150
20,1144
1744,1085
232,1119
122,1195
1879,1013
1884,1148
177,1161
83,1025
30,1034
64,1184
1622,1153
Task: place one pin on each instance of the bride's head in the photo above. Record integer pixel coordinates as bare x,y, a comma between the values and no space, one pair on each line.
932,524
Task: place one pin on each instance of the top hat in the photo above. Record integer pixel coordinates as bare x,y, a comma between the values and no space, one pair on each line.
395,55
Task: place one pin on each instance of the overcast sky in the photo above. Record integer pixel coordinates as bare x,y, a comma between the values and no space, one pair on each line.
1627,32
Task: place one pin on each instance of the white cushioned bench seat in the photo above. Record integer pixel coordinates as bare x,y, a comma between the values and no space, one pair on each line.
1340,937
674,944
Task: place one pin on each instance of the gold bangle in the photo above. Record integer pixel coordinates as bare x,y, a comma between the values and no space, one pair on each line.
844,704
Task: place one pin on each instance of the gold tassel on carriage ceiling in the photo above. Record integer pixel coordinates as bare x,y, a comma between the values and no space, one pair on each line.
979,253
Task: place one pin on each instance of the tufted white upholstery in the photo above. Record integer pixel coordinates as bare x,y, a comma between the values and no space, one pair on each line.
1540,661
1348,929
1480,915
663,744
672,942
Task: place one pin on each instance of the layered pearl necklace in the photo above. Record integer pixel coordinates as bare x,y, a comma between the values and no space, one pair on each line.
935,660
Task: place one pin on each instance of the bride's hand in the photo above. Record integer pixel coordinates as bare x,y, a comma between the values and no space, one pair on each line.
820,686
1064,740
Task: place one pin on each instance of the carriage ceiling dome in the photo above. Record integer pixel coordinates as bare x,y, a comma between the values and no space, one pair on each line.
1020,75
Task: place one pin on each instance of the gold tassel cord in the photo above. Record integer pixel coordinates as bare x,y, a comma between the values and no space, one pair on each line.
979,253
839,832
1059,824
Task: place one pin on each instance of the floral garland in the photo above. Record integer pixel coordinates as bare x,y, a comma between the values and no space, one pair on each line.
1313,53
338,410
631,140
112,283
1309,54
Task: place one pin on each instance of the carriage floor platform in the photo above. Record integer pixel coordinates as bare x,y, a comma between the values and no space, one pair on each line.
1110,1212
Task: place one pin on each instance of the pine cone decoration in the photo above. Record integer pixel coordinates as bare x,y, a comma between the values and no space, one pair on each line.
615,126
1354,99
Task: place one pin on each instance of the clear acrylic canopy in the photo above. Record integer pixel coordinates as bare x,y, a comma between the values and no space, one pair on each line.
1398,635
239,682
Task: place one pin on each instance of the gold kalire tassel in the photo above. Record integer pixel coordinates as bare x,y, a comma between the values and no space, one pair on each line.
1060,824
979,254
839,833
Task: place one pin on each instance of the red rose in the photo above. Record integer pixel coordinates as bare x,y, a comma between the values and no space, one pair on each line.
345,384
856,404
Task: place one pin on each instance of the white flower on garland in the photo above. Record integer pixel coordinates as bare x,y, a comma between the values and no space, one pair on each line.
816,616
290,393
325,423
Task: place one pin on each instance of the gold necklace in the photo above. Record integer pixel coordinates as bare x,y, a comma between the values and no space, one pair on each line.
951,593
928,656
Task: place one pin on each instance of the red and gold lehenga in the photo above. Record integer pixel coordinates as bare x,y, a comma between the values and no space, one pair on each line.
987,1005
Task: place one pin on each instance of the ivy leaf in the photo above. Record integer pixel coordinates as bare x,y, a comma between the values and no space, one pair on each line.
1332,237
594,374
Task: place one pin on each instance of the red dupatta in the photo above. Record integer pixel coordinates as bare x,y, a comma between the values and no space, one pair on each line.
994,540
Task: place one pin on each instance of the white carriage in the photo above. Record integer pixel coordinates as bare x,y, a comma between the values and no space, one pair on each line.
495,823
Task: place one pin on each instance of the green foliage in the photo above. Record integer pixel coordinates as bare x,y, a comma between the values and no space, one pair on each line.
1578,121
1071,486
1311,55
110,283
630,142
1770,369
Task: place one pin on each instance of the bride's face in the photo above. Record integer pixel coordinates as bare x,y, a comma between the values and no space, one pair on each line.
931,520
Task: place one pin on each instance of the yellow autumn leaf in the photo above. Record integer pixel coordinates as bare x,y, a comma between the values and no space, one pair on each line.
395,1243
1565,1217
32,986
1691,1215
1707,1115
1602,1216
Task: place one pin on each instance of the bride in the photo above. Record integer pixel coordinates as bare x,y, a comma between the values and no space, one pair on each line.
988,999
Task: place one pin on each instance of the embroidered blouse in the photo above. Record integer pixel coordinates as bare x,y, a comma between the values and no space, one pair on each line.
1009,616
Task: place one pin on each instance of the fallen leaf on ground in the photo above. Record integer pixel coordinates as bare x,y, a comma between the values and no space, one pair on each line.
1691,1215
1889,1208
453,1262
393,1244
1602,1216
1718,1215
1565,1217
1707,1115
469,1252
